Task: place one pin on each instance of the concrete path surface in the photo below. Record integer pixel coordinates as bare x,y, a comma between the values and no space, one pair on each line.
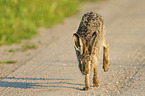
54,71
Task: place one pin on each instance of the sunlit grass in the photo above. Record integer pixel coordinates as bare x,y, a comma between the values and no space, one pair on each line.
8,62
20,19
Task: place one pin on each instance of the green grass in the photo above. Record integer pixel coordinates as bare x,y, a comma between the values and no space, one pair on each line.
20,19
8,62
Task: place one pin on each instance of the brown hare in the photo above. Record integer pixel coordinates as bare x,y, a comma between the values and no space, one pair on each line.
88,40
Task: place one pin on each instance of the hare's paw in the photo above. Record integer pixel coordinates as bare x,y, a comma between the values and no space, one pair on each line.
95,83
106,65
86,88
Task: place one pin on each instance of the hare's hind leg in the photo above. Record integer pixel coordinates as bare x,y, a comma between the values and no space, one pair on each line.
105,56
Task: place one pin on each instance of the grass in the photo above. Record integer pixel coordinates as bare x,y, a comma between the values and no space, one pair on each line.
8,62
20,19
25,47
28,46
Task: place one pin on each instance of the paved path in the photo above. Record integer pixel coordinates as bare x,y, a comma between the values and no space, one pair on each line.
54,71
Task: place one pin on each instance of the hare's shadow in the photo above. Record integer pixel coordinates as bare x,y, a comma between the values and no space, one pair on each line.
27,85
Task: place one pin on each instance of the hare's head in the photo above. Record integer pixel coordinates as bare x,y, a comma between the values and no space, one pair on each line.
83,50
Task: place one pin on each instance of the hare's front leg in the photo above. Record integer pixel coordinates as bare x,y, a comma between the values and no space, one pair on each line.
106,56
87,86
95,78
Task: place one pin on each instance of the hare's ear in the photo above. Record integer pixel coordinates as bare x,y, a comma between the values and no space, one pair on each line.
78,44
92,41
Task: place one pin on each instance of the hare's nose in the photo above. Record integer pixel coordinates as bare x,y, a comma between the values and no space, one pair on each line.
85,72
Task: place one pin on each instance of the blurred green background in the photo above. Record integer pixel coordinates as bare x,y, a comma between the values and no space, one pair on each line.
20,19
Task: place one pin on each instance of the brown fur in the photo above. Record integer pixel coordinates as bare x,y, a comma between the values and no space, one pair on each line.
87,42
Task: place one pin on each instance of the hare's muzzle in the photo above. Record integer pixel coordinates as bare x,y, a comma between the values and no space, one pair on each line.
86,69
86,72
